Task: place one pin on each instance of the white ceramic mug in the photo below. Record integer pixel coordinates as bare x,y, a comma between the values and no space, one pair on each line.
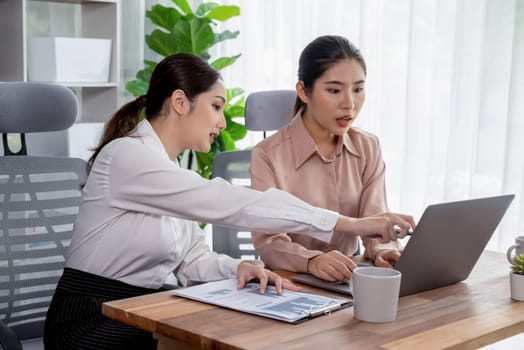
518,247
375,293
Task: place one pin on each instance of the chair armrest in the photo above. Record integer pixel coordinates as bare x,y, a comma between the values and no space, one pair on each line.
8,338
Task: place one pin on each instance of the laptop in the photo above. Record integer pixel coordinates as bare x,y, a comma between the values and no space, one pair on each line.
443,249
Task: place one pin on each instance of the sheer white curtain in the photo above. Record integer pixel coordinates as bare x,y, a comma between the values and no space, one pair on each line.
445,88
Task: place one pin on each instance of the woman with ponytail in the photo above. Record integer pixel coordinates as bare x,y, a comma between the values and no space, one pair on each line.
138,221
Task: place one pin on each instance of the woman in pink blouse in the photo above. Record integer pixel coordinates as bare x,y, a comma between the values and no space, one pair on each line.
320,158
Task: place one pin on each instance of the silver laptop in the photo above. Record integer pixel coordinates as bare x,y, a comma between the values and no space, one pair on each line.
445,246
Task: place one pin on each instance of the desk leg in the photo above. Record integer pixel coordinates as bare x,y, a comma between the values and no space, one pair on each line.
165,343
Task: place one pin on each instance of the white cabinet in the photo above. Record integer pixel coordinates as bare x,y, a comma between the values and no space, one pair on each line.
22,20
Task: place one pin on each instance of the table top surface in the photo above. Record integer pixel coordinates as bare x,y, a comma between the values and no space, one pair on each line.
468,314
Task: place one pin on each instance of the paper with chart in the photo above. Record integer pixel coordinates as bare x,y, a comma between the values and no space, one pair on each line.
290,306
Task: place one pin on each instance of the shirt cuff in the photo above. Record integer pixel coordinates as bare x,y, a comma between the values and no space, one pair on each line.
324,219
230,268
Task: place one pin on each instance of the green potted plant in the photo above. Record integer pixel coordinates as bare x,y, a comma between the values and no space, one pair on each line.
182,30
517,277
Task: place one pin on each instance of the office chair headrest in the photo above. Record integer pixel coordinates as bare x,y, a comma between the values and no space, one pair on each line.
36,107
269,110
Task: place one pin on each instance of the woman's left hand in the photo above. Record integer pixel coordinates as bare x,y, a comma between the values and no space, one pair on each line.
248,271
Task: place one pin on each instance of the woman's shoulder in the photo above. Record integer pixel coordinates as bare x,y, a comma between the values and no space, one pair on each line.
274,141
365,143
122,143
130,150
362,136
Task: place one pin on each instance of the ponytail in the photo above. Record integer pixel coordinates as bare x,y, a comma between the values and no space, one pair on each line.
299,104
123,122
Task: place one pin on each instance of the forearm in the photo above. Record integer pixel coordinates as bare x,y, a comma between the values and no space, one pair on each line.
278,251
347,225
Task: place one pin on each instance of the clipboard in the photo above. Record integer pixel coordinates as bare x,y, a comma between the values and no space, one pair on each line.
292,307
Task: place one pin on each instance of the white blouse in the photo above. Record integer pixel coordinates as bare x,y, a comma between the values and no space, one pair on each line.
138,220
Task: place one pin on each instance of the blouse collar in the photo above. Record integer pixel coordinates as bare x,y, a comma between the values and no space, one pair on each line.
303,146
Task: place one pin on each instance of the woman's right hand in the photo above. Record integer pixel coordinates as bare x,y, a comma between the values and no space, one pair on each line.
331,266
380,226
254,270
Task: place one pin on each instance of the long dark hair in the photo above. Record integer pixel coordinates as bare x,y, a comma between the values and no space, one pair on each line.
319,55
186,72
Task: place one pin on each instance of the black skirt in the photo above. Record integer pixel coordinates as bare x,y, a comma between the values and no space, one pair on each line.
75,321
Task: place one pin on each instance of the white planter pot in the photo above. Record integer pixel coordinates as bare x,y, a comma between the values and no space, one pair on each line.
516,282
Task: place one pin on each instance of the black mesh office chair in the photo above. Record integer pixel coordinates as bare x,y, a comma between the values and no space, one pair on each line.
39,198
265,111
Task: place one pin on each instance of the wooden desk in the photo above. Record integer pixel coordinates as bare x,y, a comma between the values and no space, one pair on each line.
465,315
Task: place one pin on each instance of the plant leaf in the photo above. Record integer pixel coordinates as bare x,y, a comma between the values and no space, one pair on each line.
204,8
204,159
205,164
236,131
145,74
137,87
241,102
225,35
163,43
223,13
184,6
195,36
164,17
235,111
228,143
151,64
224,62
234,92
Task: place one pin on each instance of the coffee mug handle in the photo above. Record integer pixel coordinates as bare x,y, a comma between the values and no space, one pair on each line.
508,253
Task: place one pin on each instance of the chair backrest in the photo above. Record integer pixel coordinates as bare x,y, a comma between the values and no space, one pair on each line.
39,198
269,110
265,111
32,108
234,167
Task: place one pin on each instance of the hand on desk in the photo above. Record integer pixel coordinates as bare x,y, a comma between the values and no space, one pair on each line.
335,266
248,271
387,257
331,266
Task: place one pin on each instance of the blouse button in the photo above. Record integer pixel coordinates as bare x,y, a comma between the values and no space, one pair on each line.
159,279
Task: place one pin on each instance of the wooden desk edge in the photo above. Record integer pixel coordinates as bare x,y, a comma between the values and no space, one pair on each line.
470,333
111,309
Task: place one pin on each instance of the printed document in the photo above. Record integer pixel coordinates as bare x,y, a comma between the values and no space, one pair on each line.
290,307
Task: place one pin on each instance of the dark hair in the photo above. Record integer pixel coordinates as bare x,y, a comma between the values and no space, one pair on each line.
319,55
186,72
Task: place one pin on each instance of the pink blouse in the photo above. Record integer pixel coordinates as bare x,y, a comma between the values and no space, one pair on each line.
351,182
